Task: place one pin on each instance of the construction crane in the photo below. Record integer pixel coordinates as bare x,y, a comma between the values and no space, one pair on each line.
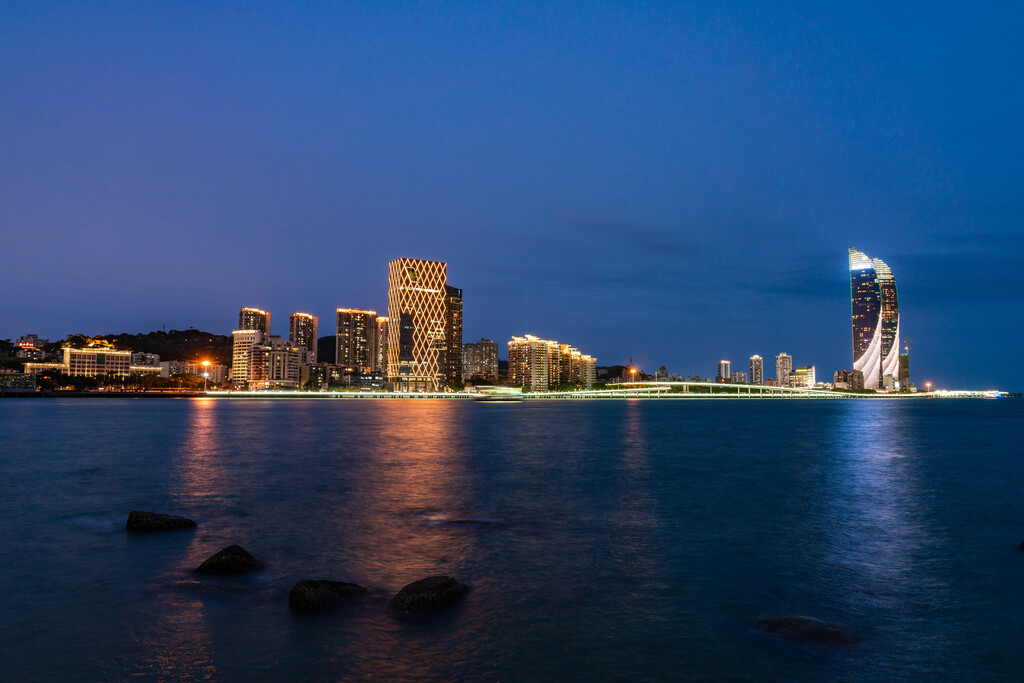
907,343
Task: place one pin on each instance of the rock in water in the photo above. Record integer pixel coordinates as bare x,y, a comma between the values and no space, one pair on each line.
804,630
139,520
314,595
231,560
431,593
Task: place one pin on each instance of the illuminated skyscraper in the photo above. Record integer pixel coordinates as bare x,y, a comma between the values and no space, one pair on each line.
453,335
783,366
756,369
417,320
357,339
302,331
382,345
243,342
724,372
874,312
254,319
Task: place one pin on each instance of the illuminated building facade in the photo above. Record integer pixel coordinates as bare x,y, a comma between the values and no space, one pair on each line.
802,378
480,360
453,335
243,342
738,377
302,331
275,363
254,319
543,364
382,345
756,369
724,374
783,366
357,339
94,362
417,317
874,313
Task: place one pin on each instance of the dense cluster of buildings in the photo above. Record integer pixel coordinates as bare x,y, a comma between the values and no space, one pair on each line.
785,375
418,346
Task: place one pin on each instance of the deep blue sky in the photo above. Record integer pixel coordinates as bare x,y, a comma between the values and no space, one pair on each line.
676,183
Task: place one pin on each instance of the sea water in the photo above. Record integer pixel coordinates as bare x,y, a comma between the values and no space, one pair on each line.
603,540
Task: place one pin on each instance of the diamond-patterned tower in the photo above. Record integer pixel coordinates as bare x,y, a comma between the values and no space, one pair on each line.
416,324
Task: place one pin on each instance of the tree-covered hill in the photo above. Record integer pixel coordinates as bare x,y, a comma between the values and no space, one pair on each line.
190,344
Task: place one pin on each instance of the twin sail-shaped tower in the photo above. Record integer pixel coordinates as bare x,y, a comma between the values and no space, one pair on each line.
876,320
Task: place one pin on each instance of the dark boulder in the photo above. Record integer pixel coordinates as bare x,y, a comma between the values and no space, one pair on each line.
804,630
231,560
431,593
314,595
139,520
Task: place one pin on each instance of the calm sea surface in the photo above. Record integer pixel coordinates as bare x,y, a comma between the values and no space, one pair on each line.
625,540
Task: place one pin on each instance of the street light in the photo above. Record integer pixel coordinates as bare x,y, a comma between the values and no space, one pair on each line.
928,386
206,373
633,370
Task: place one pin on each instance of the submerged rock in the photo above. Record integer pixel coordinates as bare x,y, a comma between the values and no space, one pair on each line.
140,520
317,595
804,630
431,593
231,560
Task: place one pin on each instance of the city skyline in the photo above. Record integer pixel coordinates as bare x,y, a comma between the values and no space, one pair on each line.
678,193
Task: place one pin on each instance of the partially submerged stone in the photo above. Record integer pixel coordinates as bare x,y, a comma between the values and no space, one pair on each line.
429,594
231,560
140,520
318,595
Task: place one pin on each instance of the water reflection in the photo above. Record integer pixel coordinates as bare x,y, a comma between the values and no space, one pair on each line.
634,518
174,644
412,483
879,520
199,464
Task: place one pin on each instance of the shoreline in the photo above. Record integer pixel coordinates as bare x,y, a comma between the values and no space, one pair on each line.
606,395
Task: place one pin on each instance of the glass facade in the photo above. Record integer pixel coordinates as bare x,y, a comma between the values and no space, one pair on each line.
874,312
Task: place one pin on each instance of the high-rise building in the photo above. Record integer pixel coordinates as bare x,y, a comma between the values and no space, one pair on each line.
382,345
739,377
254,319
276,363
543,364
529,362
724,374
417,316
302,331
480,360
783,366
357,339
241,357
874,312
453,335
756,369
904,372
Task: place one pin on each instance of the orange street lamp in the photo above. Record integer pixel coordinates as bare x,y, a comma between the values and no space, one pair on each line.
633,370
206,373
928,386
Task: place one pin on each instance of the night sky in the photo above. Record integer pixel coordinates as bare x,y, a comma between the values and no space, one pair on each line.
676,183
